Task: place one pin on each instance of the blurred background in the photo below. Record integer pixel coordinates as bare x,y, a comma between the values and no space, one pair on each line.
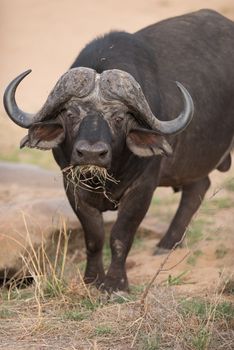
46,36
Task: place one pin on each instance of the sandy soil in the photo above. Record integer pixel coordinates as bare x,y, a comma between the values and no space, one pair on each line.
207,256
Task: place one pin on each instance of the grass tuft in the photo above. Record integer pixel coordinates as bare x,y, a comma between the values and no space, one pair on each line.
177,280
103,330
150,342
192,259
229,185
195,232
229,287
221,251
89,304
75,315
201,308
222,203
201,339
5,313
30,156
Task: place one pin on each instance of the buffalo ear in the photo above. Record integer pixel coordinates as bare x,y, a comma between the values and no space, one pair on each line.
44,135
147,143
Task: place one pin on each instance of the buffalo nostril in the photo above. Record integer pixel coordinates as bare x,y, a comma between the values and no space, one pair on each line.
80,154
97,153
103,154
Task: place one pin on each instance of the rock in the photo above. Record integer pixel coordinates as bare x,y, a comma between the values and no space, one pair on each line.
33,206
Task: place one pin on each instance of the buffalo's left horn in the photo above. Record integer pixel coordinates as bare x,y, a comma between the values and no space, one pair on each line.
76,82
21,118
120,85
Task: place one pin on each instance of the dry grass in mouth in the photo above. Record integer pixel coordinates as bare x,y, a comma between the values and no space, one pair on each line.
90,178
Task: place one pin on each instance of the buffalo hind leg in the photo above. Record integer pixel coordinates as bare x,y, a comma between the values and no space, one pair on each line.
191,199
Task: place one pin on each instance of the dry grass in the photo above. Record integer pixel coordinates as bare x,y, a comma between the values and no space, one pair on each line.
60,313
86,319
90,178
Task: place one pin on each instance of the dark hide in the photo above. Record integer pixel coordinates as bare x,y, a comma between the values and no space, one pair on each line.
195,49
92,145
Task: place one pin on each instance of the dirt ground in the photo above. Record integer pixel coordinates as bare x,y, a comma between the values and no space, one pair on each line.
209,243
46,37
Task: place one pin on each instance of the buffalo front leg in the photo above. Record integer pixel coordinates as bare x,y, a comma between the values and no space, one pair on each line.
131,212
191,199
92,223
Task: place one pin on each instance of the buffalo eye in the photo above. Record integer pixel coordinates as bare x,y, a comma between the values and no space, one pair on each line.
69,114
118,120
73,113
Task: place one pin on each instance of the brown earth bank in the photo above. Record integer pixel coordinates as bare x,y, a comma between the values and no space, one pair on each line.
61,313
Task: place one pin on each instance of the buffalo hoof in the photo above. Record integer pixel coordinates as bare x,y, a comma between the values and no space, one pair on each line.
161,251
118,296
96,281
110,285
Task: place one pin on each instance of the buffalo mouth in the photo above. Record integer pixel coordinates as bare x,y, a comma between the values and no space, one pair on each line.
90,178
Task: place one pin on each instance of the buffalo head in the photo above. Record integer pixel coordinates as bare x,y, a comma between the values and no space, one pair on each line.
93,116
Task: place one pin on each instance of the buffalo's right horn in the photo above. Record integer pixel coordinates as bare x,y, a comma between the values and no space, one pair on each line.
77,82
19,117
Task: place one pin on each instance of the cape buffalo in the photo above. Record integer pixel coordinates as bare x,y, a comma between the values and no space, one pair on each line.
120,123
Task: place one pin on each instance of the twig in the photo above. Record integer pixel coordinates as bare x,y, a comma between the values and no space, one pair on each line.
141,319
178,262
85,287
138,330
146,291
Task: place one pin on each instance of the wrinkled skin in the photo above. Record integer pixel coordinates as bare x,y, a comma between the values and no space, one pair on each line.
84,131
